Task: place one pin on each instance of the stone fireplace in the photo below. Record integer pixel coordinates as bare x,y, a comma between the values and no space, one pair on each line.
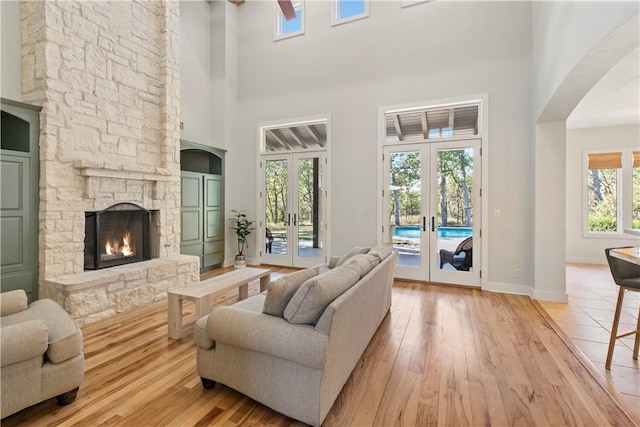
107,76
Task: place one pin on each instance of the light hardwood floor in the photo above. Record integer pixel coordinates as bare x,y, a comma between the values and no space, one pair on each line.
443,356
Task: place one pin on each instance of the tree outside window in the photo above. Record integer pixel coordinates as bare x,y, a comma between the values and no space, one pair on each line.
613,191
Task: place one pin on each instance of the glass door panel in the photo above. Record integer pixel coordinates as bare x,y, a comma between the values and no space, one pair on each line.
307,215
404,215
455,189
277,216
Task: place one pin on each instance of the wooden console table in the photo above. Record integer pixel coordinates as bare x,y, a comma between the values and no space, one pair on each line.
200,293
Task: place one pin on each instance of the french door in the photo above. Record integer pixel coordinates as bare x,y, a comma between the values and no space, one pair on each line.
293,209
431,210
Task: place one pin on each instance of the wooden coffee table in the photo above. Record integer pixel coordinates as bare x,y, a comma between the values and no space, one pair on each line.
201,291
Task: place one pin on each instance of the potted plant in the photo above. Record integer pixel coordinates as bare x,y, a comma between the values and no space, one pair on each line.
242,227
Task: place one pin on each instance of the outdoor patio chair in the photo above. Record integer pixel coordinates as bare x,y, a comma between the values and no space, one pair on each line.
461,258
627,277
269,241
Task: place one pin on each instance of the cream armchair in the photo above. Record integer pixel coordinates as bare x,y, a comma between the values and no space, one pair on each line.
40,353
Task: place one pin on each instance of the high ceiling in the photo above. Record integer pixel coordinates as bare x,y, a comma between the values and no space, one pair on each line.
614,100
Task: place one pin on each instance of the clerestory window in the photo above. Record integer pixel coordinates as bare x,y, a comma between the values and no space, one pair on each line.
432,123
343,11
294,27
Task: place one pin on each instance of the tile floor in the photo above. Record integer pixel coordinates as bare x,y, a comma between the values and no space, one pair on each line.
587,320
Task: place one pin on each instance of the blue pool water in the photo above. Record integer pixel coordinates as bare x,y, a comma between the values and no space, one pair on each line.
413,232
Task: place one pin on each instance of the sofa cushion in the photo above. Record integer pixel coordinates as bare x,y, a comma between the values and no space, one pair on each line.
200,336
13,302
65,338
280,291
382,251
311,299
354,251
267,335
23,341
364,263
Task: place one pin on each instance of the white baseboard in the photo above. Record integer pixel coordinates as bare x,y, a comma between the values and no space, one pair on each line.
509,288
588,260
551,296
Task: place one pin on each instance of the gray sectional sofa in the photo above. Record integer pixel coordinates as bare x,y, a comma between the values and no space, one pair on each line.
294,346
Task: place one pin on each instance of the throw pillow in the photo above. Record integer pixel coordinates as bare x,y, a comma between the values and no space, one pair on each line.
313,297
364,263
382,251
354,251
280,291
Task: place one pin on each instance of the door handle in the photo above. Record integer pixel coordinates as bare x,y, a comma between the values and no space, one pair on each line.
424,223
288,222
433,223
295,219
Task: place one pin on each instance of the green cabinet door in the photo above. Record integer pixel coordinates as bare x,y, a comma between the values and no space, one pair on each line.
202,218
214,218
19,134
16,265
191,214
202,169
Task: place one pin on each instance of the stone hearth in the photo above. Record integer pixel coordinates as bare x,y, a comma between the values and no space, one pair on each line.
107,76
94,295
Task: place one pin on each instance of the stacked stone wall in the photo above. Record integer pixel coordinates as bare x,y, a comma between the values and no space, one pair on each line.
107,76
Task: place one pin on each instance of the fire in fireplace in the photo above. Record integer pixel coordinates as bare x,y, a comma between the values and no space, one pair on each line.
115,236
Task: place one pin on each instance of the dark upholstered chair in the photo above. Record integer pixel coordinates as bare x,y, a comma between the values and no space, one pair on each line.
461,258
269,240
627,277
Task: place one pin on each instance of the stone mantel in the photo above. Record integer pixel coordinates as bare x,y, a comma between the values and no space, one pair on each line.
123,171
95,170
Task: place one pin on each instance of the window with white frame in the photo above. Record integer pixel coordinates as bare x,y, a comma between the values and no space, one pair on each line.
343,11
612,191
294,27
407,3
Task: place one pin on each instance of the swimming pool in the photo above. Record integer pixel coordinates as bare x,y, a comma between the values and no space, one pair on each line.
413,232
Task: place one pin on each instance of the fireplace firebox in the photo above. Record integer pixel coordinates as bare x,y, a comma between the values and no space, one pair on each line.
115,236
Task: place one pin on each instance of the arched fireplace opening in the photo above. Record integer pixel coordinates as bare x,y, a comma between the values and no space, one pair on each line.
117,235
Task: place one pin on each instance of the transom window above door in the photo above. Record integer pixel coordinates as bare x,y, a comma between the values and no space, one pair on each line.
295,137
432,123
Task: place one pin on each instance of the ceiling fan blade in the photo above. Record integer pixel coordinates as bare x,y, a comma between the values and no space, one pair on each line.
287,9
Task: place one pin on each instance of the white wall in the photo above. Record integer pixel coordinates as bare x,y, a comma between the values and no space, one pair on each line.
430,51
563,33
573,45
10,50
224,108
591,249
195,71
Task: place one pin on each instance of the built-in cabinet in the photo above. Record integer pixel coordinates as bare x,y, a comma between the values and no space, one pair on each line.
20,130
202,203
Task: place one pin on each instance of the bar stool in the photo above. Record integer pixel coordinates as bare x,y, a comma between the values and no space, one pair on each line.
627,277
